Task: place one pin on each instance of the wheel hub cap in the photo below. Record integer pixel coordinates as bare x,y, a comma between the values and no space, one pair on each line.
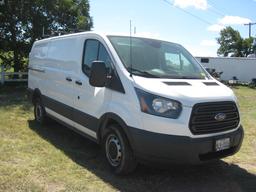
113,150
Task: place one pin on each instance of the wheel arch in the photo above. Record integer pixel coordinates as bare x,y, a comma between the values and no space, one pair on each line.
112,118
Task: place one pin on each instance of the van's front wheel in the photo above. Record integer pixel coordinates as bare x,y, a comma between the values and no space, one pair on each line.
118,151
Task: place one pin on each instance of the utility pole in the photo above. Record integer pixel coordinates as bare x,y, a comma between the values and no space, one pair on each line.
250,26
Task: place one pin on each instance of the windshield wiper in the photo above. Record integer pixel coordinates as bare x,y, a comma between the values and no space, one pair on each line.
141,73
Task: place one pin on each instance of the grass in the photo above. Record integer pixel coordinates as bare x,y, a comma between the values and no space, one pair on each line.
247,101
53,158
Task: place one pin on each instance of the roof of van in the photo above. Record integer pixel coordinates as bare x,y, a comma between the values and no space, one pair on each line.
69,35
96,33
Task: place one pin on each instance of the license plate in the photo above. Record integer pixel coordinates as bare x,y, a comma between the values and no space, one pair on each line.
222,144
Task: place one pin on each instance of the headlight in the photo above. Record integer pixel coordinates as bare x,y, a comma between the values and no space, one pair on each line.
156,105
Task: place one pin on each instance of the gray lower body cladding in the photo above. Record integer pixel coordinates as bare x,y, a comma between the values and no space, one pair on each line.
162,148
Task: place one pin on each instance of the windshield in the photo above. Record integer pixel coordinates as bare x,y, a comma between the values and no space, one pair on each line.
156,59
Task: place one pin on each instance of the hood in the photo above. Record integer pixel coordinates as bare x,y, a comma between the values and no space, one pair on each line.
187,91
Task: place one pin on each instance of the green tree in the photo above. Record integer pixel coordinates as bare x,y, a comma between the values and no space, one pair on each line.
247,46
232,44
24,21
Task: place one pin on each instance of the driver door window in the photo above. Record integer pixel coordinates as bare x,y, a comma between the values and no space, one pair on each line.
94,51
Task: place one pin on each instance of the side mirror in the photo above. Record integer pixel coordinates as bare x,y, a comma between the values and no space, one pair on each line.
98,75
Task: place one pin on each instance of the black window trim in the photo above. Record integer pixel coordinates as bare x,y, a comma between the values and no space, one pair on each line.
85,42
117,84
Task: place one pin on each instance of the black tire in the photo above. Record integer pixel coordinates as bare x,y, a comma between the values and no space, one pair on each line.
117,151
39,112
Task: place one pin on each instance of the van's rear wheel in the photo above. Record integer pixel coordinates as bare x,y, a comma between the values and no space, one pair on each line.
39,112
118,151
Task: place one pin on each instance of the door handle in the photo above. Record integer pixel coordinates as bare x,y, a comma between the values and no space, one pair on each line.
78,82
68,79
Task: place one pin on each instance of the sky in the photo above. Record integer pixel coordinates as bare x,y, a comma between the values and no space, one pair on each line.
195,24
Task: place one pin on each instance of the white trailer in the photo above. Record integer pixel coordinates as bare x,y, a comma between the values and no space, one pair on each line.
244,69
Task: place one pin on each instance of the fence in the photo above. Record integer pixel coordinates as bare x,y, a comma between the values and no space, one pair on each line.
9,76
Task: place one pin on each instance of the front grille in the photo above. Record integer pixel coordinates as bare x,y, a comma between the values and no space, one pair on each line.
203,117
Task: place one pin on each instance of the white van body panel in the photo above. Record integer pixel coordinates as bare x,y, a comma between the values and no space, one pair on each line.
189,95
67,63
56,71
37,60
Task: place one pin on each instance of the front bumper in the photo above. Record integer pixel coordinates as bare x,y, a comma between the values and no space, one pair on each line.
162,148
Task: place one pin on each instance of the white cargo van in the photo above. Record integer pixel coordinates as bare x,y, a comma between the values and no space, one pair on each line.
141,99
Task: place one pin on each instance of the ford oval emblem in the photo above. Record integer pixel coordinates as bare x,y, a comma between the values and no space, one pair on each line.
220,116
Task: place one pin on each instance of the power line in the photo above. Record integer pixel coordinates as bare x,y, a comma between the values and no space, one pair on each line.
217,10
187,12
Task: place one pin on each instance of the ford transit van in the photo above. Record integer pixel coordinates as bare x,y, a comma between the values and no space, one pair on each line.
141,99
